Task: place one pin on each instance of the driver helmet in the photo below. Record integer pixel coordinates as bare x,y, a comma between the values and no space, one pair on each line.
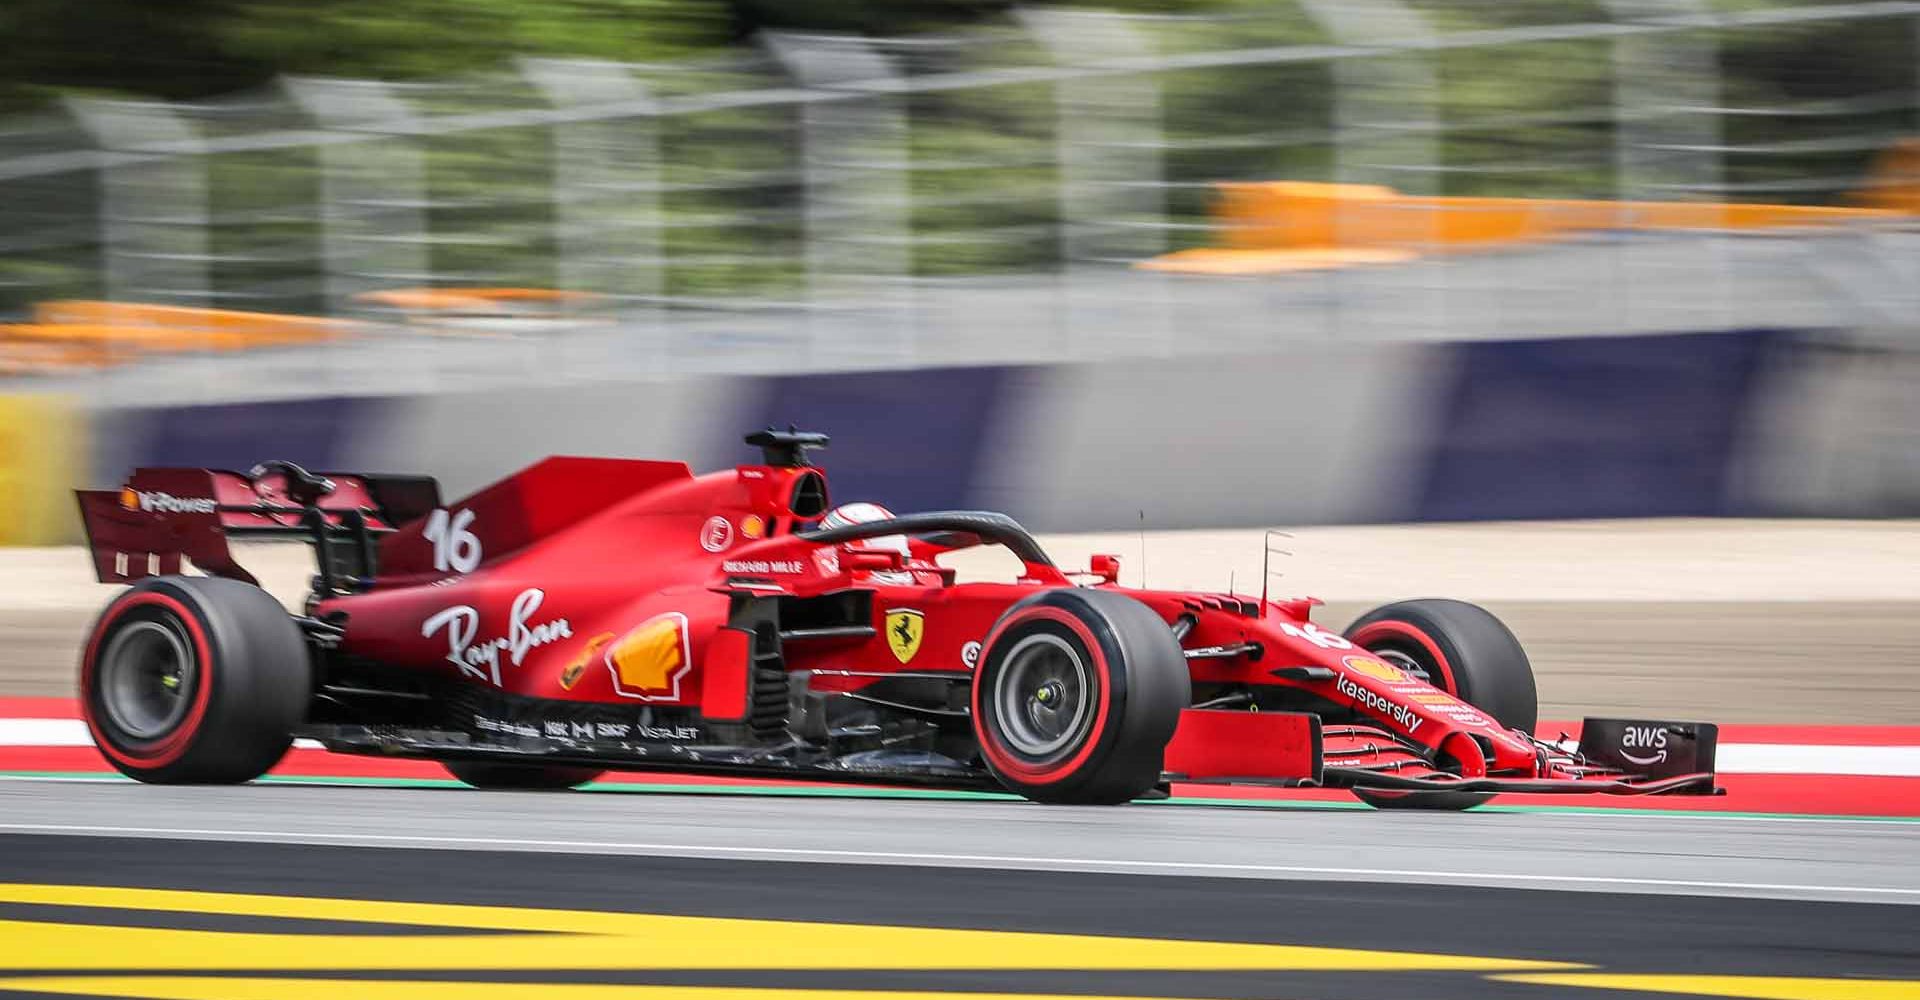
867,513
849,514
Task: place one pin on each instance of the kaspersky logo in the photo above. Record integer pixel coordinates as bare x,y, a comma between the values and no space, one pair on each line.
164,503
1380,704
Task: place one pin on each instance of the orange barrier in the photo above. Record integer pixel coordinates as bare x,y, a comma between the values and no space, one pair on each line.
29,358
1294,225
226,325
75,334
473,300
1894,182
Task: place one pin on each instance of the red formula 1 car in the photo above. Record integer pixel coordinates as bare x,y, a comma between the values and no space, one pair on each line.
594,614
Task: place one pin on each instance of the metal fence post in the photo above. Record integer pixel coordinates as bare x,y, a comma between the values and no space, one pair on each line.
154,207
373,194
1386,131
855,165
606,209
1668,146
1666,91
1110,146
373,219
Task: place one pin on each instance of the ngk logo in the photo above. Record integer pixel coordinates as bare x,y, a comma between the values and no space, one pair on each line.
164,503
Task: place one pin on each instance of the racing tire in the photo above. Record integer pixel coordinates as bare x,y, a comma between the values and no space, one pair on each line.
1077,693
520,777
194,680
1462,649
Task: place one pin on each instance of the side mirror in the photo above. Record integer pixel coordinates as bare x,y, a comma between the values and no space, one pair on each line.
874,560
1106,567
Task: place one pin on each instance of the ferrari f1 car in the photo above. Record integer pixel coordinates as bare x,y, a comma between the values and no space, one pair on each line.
593,614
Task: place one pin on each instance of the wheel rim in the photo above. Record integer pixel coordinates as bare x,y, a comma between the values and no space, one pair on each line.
146,679
1041,696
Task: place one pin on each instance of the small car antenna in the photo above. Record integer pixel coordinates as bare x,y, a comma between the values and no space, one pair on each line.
1143,549
1266,563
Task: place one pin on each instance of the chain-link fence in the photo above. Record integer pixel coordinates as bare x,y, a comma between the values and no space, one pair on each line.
830,202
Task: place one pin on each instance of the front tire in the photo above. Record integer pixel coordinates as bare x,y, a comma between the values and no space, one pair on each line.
520,777
1077,694
194,680
1461,649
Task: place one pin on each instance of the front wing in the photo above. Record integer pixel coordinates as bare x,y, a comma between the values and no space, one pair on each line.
1613,756
1274,749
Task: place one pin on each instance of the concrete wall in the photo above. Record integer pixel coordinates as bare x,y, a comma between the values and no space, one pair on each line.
1708,424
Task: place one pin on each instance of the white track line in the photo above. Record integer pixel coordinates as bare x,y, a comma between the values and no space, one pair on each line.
1795,758
1012,861
44,733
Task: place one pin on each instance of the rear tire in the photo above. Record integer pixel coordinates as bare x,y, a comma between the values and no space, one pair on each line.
520,777
194,680
1077,694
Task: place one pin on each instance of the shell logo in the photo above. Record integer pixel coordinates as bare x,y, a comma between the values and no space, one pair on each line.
649,661
1370,667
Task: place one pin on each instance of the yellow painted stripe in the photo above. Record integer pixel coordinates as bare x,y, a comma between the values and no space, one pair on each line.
216,988
41,439
1751,987
575,939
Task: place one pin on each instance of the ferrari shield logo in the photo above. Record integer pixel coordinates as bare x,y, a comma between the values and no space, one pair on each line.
905,626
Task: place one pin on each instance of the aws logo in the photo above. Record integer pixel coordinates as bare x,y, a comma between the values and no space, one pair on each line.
1651,741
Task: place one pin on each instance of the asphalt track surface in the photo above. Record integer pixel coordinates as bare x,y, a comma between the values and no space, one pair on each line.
826,894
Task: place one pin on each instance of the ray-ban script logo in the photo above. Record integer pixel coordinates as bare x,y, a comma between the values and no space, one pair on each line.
481,659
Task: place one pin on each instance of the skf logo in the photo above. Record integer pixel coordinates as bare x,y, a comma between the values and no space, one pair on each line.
648,662
905,627
578,665
164,503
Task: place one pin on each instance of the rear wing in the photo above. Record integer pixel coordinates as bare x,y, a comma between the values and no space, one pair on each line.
162,516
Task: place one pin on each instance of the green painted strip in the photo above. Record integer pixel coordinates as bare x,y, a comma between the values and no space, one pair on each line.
1296,805
935,794
95,776
1692,813
785,791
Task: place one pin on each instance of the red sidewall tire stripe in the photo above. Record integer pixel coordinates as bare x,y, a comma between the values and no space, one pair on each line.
172,746
1390,629
1005,762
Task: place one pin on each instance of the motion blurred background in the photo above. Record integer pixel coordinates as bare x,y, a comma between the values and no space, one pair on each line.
1186,263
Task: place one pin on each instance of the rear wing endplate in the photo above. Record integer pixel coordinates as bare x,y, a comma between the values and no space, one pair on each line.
162,516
